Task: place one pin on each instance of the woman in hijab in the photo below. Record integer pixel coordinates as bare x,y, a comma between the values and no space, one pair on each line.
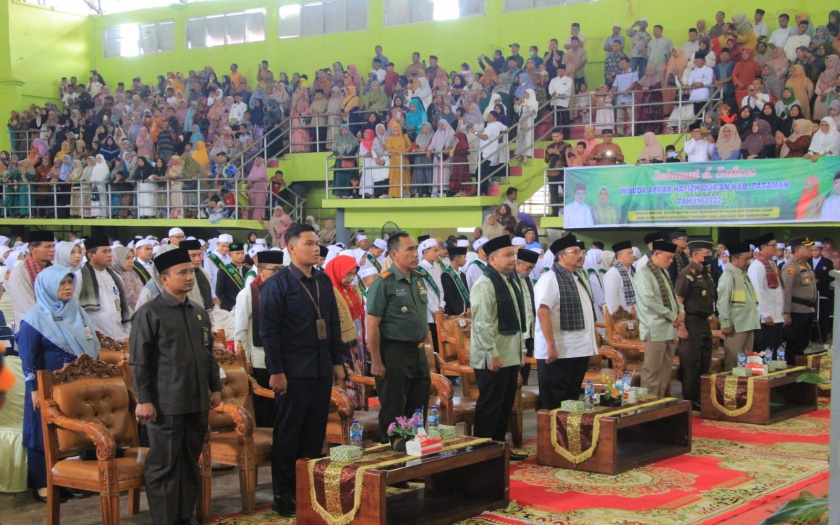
423,92
399,173
379,154
780,63
821,44
310,221
653,152
175,176
788,107
768,114
473,122
122,262
99,187
772,82
743,73
351,313
376,99
802,88
441,147
327,235
421,172
833,25
505,217
795,145
415,118
526,108
146,188
811,202
257,184
825,142
728,145
826,83
459,180
491,227
369,162
76,189
350,108
345,149
591,265
650,116
68,255
761,142
52,334
300,137
744,122
674,70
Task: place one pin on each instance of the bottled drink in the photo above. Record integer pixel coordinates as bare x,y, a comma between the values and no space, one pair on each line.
742,358
589,396
780,353
433,421
356,433
418,414
768,354
628,380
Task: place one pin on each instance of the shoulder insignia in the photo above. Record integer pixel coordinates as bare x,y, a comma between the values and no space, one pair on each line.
791,271
690,278
385,275
694,270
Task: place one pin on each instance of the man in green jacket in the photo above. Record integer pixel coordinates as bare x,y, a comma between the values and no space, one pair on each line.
737,305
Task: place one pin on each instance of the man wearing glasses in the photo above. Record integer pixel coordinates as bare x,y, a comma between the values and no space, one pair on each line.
176,235
766,279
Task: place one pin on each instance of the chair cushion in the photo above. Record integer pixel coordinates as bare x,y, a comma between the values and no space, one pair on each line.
129,468
235,391
226,445
101,400
463,405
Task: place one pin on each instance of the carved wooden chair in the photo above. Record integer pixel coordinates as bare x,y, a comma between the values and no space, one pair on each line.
87,405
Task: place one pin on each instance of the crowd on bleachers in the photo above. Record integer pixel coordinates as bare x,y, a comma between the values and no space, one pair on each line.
187,144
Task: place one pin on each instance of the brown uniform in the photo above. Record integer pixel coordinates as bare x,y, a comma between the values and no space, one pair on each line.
696,288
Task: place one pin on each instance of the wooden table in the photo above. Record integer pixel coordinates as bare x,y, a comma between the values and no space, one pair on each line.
775,398
815,361
459,484
626,441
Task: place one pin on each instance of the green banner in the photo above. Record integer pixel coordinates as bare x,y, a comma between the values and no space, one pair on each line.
703,194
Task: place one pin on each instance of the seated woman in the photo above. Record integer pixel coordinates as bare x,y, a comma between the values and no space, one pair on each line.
761,143
826,141
795,145
653,152
52,334
728,145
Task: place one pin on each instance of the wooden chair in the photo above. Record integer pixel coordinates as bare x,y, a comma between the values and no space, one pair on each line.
87,404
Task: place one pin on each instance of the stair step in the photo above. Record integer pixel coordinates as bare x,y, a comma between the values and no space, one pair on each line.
539,153
515,171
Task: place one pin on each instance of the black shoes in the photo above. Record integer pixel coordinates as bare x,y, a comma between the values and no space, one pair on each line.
518,457
285,505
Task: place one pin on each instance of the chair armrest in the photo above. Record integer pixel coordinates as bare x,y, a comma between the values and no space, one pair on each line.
259,390
341,401
361,380
455,367
718,334
443,386
625,345
240,416
530,360
106,448
618,359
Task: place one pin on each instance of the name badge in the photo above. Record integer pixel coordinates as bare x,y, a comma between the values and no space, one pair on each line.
400,293
205,336
88,333
321,325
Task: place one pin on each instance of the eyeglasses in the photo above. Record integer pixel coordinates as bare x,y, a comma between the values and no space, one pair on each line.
576,251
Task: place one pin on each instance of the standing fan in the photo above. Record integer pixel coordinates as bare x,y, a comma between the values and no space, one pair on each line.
388,229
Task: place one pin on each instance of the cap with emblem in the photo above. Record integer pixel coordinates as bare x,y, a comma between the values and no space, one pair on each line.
366,272
382,244
270,257
800,241
40,236
518,241
653,237
175,231
425,245
563,243
168,259
479,243
623,245
664,246
527,256
262,242
462,243
97,242
236,247
456,250
256,250
503,241
190,245
225,237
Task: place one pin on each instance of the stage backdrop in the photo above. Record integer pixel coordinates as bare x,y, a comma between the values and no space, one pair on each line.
703,194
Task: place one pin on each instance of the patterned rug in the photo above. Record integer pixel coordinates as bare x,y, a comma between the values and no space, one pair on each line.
731,468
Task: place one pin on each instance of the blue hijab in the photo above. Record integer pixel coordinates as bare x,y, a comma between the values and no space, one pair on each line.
63,323
66,169
416,119
196,135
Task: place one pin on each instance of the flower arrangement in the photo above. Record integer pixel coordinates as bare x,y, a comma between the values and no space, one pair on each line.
610,395
404,426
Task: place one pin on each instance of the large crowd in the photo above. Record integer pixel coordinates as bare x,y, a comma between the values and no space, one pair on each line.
429,129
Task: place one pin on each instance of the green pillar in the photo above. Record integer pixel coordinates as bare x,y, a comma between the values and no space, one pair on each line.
10,94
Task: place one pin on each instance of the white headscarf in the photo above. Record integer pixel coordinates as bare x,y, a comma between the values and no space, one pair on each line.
495,98
531,103
826,143
100,172
424,92
442,140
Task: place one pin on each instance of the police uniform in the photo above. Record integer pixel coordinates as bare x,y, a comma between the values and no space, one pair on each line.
800,286
401,301
697,289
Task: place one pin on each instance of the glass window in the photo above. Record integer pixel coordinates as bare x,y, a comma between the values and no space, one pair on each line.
323,18
230,28
519,5
398,12
130,40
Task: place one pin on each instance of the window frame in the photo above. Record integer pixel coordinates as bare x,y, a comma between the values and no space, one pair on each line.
414,3
226,19
345,4
106,38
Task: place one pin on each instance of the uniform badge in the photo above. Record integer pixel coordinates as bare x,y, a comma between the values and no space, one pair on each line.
703,293
791,271
404,309
807,280
199,317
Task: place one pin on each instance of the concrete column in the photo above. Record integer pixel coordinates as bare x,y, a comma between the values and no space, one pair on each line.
342,233
10,95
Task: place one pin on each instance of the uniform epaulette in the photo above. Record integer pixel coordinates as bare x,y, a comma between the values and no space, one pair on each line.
385,275
690,278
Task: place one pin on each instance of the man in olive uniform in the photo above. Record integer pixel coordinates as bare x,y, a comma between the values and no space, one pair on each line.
800,286
396,333
695,289
737,305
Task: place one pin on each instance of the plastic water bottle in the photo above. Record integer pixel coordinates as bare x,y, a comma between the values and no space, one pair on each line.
433,421
768,355
589,396
356,433
419,415
742,358
628,380
780,353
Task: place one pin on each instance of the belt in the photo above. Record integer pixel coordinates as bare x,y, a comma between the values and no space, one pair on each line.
803,302
411,344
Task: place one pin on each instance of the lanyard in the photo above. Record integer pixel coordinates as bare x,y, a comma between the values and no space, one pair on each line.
317,292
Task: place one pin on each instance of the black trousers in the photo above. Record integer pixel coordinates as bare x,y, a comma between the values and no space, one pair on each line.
769,336
797,336
300,425
380,187
526,368
562,119
826,311
172,473
263,407
406,385
433,332
695,355
497,392
560,380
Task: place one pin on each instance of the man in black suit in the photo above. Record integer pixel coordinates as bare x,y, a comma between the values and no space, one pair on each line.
822,266
231,279
456,293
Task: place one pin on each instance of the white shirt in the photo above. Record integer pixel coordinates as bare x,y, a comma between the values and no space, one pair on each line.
212,269
698,150
614,290
689,48
705,75
780,37
830,209
237,112
580,343
760,29
756,101
494,152
771,301
108,318
474,271
146,265
436,301
380,74
21,291
577,216
560,87
243,328
793,42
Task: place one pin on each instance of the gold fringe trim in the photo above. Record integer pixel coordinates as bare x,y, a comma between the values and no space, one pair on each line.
825,368
332,488
573,424
730,390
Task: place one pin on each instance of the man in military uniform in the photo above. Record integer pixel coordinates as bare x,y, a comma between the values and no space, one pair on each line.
800,286
396,333
695,289
822,266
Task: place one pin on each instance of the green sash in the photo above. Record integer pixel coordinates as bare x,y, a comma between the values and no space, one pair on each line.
362,287
237,279
459,283
142,272
215,260
481,264
373,261
251,273
442,266
428,278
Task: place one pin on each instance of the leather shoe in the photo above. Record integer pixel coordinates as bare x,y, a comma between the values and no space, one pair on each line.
514,456
285,505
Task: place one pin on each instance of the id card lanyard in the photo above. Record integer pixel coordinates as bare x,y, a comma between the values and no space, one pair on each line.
320,324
